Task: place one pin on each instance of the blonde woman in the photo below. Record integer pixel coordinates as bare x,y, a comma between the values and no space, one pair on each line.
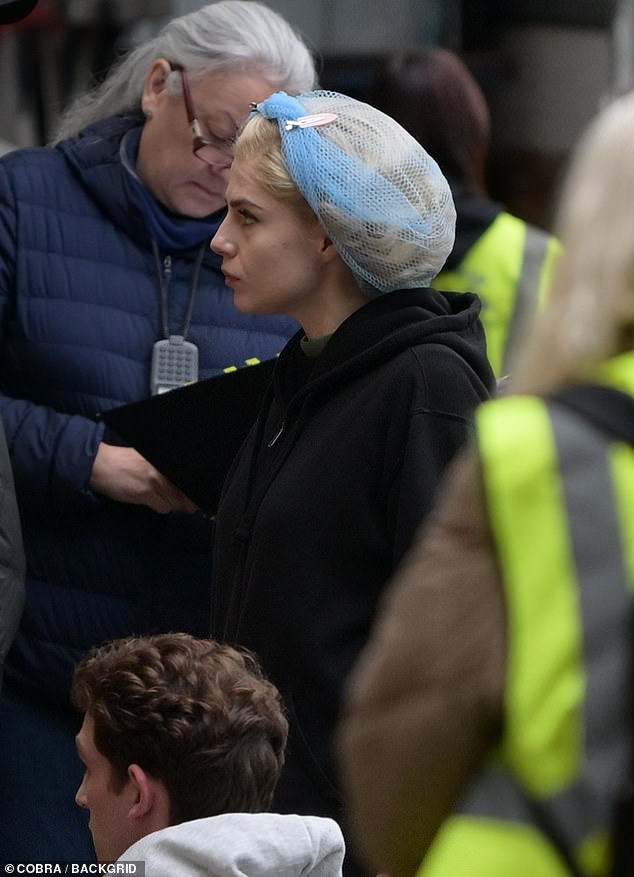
340,219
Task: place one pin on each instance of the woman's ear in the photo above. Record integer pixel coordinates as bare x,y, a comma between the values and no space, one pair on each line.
155,84
328,249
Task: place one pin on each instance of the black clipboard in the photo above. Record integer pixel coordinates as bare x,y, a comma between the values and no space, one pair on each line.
191,434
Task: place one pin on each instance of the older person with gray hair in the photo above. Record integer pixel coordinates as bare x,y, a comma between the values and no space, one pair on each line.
338,218
108,293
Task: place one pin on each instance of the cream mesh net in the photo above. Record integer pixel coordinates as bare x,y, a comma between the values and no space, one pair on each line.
382,199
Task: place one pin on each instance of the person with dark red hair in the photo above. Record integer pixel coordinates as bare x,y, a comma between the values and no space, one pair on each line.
503,259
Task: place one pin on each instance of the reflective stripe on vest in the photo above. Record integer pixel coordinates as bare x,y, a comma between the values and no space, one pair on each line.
531,287
509,267
562,488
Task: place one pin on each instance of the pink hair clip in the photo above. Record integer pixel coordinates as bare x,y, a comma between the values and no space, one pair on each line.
312,121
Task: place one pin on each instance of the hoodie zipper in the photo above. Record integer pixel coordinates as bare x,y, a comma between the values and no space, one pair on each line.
277,434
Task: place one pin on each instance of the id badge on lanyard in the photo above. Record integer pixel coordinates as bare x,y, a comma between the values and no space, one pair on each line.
174,359
174,364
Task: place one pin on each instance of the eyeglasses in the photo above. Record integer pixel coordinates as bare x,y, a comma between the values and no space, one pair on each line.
206,149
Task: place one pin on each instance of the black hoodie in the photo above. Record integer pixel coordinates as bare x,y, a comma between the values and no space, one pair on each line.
326,495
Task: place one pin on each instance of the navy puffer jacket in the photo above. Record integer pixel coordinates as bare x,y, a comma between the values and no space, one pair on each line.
79,315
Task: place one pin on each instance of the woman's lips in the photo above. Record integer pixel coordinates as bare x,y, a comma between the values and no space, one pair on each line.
230,279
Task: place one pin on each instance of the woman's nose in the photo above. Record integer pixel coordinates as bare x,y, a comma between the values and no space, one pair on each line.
216,244
80,796
219,242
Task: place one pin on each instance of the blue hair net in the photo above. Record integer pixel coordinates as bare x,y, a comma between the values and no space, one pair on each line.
382,199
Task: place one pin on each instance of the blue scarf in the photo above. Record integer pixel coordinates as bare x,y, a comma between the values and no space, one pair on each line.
171,231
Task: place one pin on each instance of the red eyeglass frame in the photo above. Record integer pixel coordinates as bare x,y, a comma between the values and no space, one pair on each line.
200,143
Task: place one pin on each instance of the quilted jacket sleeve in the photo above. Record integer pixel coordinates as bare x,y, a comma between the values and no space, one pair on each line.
11,556
52,453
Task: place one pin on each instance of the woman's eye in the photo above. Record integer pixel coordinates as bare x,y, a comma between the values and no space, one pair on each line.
221,142
247,218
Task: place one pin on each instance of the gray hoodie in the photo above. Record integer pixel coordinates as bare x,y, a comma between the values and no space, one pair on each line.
243,845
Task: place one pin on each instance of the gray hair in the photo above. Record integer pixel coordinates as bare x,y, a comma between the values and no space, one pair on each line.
227,36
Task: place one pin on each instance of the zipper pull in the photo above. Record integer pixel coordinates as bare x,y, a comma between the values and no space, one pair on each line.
167,265
276,436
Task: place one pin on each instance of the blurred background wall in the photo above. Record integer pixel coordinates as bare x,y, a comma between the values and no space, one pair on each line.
545,68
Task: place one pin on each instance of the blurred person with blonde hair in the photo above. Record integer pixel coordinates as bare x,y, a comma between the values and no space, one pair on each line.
494,698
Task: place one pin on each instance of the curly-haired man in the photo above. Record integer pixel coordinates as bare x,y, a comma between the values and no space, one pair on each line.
178,729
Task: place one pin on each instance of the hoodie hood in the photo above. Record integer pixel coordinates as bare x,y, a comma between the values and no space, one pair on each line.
385,327
243,845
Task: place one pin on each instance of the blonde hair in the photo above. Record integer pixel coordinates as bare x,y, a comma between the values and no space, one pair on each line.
259,143
590,313
379,196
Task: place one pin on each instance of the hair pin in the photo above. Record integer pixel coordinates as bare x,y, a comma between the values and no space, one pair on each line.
312,121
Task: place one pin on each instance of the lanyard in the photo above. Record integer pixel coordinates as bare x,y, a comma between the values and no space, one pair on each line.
163,289
174,360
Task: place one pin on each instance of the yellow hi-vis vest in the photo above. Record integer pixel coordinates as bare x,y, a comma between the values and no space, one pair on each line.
509,267
560,499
